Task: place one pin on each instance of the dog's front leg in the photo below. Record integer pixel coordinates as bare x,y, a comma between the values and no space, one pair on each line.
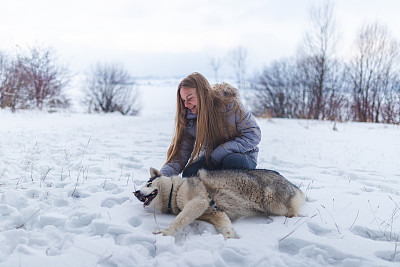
221,222
190,212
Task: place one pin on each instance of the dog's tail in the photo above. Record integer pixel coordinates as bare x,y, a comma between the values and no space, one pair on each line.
296,202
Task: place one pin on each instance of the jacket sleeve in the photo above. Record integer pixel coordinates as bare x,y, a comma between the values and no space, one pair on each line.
170,169
248,139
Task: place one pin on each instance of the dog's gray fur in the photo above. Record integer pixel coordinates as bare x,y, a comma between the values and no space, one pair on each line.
220,196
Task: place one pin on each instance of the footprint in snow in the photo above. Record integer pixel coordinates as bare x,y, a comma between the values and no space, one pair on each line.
392,256
76,193
114,188
318,230
294,246
370,234
111,202
230,255
55,219
135,221
81,219
59,202
13,199
6,210
132,165
101,227
33,193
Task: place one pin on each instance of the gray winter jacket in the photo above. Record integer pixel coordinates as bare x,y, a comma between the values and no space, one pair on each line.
245,143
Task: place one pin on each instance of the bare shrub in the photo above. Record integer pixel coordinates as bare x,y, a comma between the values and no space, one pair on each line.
3,69
110,88
237,58
215,64
45,79
320,72
277,94
374,74
34,79
13,88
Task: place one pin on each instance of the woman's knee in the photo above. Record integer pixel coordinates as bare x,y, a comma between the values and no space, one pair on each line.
238,161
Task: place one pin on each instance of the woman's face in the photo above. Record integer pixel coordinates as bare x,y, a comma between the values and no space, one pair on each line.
189,98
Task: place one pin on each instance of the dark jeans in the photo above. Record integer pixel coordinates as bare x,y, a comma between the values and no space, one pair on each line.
230,162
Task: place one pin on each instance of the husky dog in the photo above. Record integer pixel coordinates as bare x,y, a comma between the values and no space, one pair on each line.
220,196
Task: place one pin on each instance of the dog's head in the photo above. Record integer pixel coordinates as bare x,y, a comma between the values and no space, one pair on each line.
150,190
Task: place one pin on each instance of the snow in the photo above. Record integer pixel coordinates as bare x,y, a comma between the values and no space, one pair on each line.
66,183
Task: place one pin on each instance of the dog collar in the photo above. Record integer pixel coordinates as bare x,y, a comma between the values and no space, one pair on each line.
169,210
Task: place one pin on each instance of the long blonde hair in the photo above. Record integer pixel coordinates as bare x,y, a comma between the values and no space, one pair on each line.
212,126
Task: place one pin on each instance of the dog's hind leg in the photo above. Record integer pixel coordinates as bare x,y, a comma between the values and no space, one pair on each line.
191,211
221,222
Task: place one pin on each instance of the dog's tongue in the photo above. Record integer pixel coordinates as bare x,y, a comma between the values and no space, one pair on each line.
146,203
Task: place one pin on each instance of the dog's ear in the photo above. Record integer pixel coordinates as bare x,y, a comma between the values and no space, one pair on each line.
154,173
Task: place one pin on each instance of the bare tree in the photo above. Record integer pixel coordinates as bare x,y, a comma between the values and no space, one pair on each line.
33,79
238,60
316,57
374,73
215,64
283,91
110,88
277,94
337,101
14,86
391,103
317,85
41,78
3,68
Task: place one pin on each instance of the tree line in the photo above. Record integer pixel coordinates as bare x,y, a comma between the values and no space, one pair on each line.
35,79
316,84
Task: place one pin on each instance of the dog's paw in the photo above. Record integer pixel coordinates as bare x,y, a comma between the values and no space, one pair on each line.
229,234
165,232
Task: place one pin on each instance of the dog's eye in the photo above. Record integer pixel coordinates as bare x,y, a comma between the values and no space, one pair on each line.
149,185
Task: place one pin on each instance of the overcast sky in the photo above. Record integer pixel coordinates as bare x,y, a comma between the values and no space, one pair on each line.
176,37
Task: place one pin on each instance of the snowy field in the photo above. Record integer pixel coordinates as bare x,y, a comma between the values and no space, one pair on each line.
66,183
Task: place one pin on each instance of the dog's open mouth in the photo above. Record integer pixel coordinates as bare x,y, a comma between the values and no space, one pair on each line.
146,199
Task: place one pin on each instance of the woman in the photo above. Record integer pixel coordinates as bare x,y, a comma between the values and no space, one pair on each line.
212,130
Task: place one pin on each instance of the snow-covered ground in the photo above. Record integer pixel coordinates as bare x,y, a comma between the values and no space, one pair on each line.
66,183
